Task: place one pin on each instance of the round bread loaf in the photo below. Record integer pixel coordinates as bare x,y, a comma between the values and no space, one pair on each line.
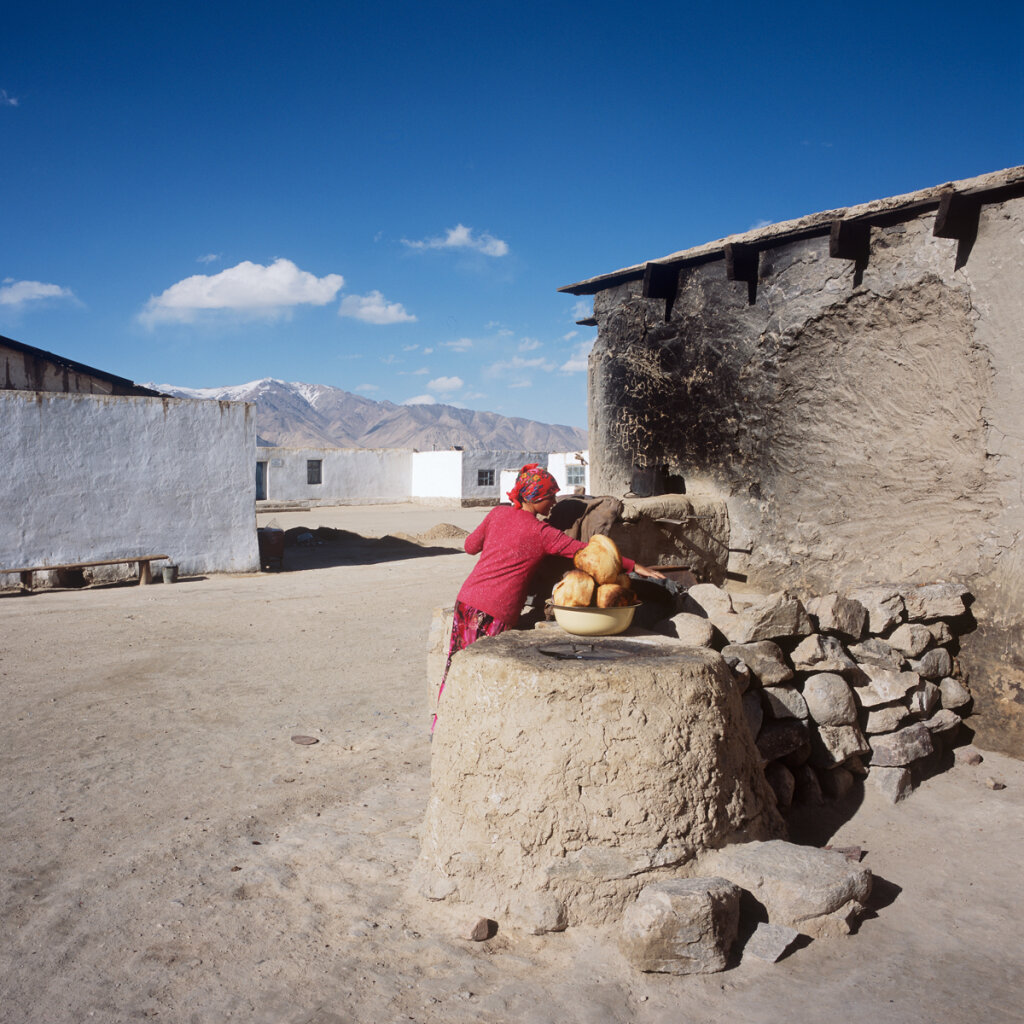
600,558
575,590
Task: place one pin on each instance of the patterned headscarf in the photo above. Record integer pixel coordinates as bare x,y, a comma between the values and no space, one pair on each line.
533,484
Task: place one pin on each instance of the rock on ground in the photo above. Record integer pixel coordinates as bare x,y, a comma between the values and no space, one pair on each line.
683,926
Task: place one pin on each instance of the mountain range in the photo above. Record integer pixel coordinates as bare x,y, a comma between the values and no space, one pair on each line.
320,416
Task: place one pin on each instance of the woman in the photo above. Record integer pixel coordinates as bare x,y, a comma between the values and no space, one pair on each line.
511,542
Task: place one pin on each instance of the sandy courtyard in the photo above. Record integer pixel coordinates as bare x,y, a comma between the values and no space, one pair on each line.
169,852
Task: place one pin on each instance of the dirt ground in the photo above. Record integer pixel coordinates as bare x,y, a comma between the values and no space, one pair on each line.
168,851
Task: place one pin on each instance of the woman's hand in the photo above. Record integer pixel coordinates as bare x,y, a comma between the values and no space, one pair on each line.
642,570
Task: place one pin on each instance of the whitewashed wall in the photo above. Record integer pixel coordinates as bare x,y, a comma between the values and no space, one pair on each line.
436,476
350,476
558,463
88,477
476,460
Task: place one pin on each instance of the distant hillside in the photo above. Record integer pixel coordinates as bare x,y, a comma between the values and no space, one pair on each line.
318,416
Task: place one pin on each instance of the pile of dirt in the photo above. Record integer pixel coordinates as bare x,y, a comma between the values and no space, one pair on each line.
444,531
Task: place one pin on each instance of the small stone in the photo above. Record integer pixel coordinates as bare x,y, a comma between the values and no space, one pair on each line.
854,854
829,699
820,653
900,748
693,630
781,737
752,711
682,926
777,615
770,942
884,606
837,614
808,788
877,652
543,913
764,659
940,631
968,755
885,719
924,700
884,685
785,702
706,600
482,930
934,601
780,778
894,783
935,664
911,639
953,693
741,673
834,745
944,723
994,783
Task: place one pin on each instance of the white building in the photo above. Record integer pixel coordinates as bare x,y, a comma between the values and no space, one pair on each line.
110,470
349,476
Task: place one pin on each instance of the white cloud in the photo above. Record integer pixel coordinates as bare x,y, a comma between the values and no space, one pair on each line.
7,101
421,400
409,348
461,237
569,336
577,362
529,345
374,309
462,345
517,372
367,387
428,351
18,293
248,289
210,257
583,309
444,384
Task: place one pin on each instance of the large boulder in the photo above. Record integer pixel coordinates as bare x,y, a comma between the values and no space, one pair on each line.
818,892
682,926
584,771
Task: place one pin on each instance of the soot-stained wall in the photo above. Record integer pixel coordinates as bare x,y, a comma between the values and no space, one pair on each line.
864,424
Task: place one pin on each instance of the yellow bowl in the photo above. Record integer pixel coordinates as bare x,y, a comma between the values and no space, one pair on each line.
595,621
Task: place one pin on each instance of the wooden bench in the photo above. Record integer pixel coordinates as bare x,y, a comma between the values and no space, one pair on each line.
144,562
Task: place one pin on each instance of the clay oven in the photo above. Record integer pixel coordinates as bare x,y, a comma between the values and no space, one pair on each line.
566,775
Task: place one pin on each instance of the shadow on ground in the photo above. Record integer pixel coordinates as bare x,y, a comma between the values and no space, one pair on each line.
325,548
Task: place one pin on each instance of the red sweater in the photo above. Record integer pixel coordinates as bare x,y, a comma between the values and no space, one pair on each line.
511,543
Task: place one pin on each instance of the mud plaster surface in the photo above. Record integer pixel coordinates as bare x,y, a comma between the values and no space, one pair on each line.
145,751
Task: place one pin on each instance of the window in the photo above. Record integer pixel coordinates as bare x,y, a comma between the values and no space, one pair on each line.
314,471
485,478
575,476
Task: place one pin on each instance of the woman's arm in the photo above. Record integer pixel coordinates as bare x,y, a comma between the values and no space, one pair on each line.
474,543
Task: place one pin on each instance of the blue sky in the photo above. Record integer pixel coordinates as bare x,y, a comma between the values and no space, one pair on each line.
387,198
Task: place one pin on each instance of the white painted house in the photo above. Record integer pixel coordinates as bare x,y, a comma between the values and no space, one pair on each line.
350,476
109,470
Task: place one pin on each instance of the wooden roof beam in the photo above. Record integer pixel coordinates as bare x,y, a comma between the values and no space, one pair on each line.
741,264
661,281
